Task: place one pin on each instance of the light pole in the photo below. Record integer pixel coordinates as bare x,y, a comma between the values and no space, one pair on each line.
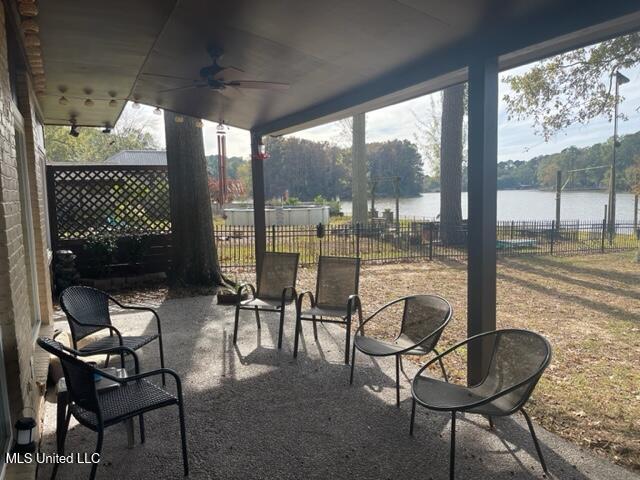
620,80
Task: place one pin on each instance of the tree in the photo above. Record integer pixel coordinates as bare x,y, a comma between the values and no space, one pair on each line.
428,136
131,133
396,158
573,87
451,153
359,170
194,254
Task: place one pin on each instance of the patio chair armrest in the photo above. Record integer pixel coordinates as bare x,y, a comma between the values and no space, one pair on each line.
292,290
382,308
139,308
142,376
301,296
242,286
102,326
108,351
353,303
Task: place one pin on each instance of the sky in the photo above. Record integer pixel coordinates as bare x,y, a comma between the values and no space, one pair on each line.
516,139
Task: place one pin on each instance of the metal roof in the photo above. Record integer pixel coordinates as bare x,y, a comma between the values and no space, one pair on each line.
339,56
138,157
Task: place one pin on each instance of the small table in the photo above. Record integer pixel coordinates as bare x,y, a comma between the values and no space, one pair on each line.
101,385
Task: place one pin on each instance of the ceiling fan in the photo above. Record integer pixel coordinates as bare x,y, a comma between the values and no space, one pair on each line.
213,77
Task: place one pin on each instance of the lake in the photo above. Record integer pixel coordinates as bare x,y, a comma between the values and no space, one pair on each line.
520,205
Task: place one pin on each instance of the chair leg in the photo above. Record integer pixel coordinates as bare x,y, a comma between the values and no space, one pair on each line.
257,310
535,440
413,415
62,437
142,437
183,437
444,371
402,366
398,381
452,452
347,341
164,380
235,325
353,362
315,328
94,467
296,336
282,311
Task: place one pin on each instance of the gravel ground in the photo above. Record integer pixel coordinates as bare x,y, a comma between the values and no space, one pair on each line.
255,413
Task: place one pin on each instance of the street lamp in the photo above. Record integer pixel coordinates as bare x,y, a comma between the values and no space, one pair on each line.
620,80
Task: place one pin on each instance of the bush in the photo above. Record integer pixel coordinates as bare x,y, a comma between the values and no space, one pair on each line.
132,249
96,257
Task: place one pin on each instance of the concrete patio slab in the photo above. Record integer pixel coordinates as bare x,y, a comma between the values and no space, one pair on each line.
253,412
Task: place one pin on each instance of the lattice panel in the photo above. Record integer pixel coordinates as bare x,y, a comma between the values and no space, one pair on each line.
98,200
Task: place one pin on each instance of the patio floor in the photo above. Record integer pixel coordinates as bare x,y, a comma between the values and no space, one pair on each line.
252,412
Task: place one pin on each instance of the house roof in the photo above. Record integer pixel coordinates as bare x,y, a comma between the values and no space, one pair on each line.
138,157
339,57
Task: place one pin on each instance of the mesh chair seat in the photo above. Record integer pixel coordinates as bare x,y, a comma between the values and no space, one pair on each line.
262,303
127,401
132,342
324,312
439,395
375,347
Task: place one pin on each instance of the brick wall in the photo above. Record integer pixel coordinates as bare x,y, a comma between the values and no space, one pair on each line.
15,310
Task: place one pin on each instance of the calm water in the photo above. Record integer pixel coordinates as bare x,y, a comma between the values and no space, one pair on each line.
520,205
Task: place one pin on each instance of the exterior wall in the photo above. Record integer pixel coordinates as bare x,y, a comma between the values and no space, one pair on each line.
15,307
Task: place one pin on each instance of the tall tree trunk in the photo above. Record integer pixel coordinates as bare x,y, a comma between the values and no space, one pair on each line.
359,171
194,254
451,165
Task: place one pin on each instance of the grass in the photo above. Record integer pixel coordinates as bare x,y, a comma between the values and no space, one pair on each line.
589,309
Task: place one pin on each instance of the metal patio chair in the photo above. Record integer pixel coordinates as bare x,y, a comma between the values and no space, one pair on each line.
276,289
87,311
518,359
133,397
336,298
424,317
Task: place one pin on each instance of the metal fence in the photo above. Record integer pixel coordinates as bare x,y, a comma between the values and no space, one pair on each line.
421,240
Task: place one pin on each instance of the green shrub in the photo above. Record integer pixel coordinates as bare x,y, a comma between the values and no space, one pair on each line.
132,249
96,257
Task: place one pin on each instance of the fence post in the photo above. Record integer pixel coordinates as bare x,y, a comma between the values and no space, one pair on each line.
358,240
273,238
553,234
604,234
430,240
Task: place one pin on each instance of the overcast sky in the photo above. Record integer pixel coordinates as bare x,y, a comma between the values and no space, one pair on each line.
516,140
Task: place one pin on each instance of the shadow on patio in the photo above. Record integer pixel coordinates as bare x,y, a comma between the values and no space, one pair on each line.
254,413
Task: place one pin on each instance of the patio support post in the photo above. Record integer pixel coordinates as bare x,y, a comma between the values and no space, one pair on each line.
257,181
482,192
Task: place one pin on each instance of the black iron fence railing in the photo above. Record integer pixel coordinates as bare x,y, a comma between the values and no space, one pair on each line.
422,240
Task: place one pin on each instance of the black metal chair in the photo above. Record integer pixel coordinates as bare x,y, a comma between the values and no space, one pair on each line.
98,410
424,317
518,359
276,289
87,310
336,298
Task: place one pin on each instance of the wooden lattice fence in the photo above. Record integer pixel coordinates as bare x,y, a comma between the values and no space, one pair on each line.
88,201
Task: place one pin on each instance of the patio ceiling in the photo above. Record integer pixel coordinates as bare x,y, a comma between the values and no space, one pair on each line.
339,57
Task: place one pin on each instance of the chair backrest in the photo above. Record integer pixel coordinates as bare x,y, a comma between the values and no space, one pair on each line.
85,305
78,376
279,270
517,355
423,315
338,278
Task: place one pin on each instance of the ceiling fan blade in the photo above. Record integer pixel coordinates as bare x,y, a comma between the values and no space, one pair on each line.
227,72
184,87
172,77
258,85
230,91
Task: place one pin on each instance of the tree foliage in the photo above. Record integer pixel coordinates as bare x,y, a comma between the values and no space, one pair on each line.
574,87
94,146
